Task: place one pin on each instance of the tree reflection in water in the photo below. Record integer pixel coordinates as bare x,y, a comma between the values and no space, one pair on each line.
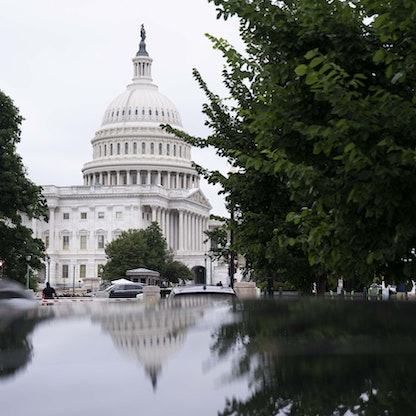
15,346
312,357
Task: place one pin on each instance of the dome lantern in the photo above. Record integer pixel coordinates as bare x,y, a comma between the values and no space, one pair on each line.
142,63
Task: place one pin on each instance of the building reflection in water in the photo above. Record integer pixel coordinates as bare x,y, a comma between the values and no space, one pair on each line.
146,334
151,335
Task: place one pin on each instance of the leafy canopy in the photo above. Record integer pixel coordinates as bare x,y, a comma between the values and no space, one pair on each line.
144,248
321,127
18,196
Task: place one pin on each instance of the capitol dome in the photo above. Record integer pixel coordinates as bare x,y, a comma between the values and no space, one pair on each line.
143,103
142,100
131,148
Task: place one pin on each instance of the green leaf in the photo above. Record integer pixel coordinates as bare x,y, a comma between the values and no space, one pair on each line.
301,70
312,53
379,55
316,61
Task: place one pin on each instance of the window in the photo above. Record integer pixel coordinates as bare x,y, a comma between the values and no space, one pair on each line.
119,215
152,148
83,215
160,148
126,148
168,149
82,271
118,148
66,216
46,241
135,148
111,149
65,271
65,242
174,150
100,241
83,242
101,215
143,147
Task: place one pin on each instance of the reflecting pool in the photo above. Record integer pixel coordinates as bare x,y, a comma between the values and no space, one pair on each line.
260,357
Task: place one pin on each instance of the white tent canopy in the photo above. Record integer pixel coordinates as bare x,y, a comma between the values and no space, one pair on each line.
121,282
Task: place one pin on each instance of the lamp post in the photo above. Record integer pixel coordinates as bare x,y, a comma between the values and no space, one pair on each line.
48,259
210,267
232,254
210,255
73,280
28,258
101,277
205,270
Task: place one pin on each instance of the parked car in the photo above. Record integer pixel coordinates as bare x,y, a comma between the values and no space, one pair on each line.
204,290
130,290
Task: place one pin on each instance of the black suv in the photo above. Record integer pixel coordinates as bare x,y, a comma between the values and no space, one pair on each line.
125,291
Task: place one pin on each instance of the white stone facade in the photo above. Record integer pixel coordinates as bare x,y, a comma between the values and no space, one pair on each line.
138,174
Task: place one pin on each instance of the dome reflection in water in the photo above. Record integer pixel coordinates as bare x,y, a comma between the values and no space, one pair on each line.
262,357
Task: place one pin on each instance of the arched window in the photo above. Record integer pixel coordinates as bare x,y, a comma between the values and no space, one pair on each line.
126,148
152,148
160,148
135,148
144,148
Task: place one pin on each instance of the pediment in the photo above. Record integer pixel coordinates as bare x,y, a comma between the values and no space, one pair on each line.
198,197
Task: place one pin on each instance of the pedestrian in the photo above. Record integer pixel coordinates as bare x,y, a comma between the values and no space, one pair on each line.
49,292
401,291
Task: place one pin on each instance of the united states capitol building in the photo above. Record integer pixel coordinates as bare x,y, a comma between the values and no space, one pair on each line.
138,174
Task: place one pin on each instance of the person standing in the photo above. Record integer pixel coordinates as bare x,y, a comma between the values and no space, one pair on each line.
49,292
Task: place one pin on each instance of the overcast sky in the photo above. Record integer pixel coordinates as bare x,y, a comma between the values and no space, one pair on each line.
63,62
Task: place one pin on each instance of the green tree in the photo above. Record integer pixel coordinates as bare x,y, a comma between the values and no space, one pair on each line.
322,108
313,357
145,248
176,271
18,196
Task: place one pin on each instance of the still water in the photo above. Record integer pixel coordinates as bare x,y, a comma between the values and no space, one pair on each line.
263,357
